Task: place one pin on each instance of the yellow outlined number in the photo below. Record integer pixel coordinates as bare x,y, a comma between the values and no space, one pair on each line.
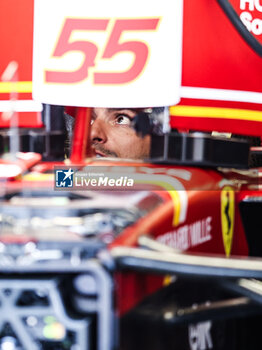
227,217
113,47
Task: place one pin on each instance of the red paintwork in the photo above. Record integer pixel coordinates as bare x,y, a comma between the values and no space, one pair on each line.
214,54
216,57
203,201
81,135
16,42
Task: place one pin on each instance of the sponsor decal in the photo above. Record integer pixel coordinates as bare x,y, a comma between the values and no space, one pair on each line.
227,217
199,336
254,25
109,51
188,236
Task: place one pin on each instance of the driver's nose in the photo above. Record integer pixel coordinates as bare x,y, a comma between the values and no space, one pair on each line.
98,132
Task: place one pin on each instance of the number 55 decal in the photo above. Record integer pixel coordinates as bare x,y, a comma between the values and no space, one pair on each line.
90,50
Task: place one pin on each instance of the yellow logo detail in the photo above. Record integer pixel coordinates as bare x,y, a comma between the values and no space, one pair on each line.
168,279
227,217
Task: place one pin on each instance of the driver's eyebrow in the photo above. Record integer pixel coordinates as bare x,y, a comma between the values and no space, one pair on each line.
111,110
122,110
94,115
131,112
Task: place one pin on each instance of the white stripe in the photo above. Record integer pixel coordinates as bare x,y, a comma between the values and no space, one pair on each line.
20,106
173,184
220,94
10,71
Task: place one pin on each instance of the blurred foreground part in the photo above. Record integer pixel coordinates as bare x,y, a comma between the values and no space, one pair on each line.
57,305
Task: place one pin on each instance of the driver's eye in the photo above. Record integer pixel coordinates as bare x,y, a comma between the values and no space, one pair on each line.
123,119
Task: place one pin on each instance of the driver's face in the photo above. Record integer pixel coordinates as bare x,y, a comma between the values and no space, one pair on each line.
113,136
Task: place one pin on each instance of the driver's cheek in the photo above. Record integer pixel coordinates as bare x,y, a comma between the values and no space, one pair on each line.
122,140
